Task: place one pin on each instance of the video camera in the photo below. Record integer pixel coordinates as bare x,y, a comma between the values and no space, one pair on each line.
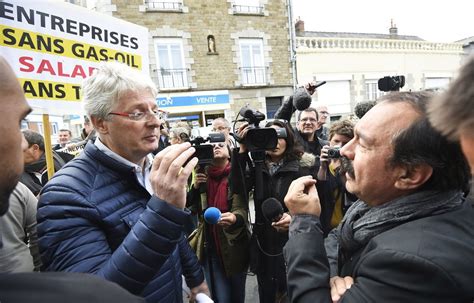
391,83
205,152
258,138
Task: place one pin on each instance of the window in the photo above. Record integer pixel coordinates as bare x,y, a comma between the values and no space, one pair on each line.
372,91
172,73
247,7
169,5
337,95
253,70
436,83
273,104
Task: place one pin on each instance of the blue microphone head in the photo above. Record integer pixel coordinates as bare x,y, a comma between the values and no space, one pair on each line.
212,215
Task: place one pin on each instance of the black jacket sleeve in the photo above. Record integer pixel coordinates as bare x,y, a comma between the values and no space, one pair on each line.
307,264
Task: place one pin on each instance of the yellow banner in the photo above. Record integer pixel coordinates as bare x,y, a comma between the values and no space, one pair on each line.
40,89
27,40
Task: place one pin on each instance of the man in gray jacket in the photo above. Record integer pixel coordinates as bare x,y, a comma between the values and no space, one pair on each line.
410,237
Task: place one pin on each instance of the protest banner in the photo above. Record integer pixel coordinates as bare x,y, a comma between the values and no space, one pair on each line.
53,46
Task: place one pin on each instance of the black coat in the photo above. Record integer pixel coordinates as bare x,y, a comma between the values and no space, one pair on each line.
59,287
430,259
285,112
266,247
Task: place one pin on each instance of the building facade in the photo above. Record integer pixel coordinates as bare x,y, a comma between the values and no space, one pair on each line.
352,63
209,58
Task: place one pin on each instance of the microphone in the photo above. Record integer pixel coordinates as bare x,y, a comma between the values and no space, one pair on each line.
272,210
301,99
212,215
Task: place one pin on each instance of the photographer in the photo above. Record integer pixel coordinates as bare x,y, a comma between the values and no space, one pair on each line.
308,117
223,247
334,197
282,165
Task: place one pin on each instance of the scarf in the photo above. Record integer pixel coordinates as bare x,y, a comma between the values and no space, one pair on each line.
217,197
217,187
363,222
39,166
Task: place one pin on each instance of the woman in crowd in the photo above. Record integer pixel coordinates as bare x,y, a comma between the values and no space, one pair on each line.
282,165
334,197
222,248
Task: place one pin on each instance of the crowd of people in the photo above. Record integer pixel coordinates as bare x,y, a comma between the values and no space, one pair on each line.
373,210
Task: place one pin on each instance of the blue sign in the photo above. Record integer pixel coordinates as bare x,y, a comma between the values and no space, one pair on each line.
194,117
174,101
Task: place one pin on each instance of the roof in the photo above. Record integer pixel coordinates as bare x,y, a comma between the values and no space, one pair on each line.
355,35
466,41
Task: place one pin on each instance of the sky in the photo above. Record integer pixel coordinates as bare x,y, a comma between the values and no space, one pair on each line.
435,20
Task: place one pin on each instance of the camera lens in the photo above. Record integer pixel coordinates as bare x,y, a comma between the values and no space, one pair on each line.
334,153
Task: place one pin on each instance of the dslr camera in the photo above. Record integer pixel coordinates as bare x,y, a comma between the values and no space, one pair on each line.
333,152
205,152
258,138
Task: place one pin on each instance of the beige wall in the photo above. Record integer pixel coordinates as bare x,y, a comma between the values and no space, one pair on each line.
359,64
201,18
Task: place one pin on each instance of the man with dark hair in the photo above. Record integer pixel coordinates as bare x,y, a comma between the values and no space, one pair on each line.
37,287
410,237
34,157
307,123
65,137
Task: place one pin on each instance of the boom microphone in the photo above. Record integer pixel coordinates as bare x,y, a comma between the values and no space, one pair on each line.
301,99
272,210
212,215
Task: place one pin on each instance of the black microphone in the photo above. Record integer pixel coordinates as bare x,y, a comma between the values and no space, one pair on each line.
301,99
272,210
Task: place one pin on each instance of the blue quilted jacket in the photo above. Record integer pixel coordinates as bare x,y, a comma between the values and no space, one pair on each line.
94,217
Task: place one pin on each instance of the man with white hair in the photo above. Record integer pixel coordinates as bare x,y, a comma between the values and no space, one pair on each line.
114,211
221,125
37,287
322,131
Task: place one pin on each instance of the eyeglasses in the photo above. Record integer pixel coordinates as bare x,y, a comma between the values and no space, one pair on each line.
312,120
142,116
324,113
221,145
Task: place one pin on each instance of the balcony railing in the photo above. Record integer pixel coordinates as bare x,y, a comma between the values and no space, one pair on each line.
375,44
245,9
253,75
172,78
164,5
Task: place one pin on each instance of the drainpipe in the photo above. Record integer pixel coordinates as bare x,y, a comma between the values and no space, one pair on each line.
291,31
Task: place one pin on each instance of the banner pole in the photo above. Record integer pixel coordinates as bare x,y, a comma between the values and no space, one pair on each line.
47,146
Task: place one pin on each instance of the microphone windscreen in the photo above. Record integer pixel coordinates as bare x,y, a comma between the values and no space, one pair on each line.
272,209
212,215
301,99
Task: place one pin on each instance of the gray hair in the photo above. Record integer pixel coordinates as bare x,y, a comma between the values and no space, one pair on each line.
102,90
223,120
452,113
181,132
